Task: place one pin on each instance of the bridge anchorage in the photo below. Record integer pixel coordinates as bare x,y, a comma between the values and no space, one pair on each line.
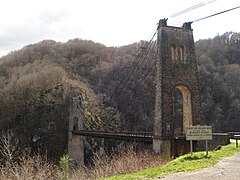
176,71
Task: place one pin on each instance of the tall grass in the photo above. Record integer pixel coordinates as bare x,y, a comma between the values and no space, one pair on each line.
29,168
125,162
38,168
15,166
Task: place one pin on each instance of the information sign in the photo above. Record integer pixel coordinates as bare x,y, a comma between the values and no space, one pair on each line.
199,133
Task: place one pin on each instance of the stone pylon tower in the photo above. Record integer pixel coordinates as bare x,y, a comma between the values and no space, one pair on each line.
176,69
75,142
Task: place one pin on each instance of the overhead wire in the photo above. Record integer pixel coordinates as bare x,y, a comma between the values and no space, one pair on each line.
216,14
192,8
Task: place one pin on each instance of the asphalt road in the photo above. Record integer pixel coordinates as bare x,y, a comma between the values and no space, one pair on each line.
226,169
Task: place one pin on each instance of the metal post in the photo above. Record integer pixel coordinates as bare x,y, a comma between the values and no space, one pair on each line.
206,148
191,147
236,137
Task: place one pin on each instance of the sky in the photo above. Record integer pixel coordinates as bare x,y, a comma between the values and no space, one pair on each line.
109,22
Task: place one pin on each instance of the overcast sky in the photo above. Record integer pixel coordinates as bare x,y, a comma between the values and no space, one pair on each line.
110,22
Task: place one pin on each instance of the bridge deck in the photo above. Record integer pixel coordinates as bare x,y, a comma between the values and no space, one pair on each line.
126,135
139,136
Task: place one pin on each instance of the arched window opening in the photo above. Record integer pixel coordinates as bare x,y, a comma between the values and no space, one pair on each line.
182,116
75,123
182,52
174,52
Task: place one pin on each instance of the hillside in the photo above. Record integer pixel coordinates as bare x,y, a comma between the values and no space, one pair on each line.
36,84
219,69
37,81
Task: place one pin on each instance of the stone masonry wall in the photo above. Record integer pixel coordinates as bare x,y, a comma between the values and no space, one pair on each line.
176,66
75,142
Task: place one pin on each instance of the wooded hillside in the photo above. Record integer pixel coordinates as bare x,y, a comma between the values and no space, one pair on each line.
37,82
219,69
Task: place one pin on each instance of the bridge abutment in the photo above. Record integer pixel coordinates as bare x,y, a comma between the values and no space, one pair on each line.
75,142
161,146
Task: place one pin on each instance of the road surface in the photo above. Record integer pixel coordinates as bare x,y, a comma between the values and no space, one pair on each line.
226,169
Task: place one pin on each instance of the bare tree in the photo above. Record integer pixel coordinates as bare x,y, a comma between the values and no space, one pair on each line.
8,147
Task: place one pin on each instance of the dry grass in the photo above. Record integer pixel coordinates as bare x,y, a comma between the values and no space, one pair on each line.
126,162
29,168
38,168
13,166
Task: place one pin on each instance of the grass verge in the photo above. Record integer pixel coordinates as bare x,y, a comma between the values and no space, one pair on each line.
184,163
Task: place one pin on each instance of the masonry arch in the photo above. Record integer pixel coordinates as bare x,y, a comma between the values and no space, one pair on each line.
182,110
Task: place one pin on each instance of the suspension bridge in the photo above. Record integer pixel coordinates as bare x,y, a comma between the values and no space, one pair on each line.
168,57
